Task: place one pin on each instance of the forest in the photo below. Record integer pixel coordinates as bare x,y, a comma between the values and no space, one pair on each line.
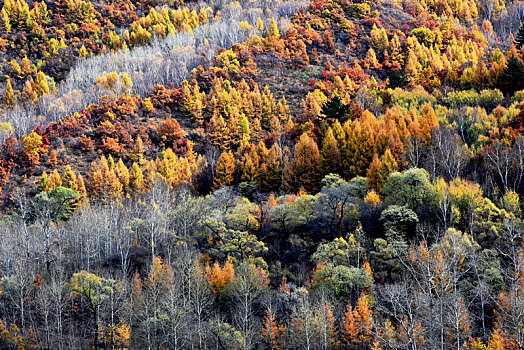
273,175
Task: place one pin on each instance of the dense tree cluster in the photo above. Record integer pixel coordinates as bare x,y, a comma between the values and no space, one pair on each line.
341,175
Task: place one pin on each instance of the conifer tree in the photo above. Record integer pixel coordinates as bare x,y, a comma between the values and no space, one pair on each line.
220,277
217,131
224,171
122,173
272,332
69,179
260,24
243,126
388,165
42,182
5,22
305,167
519,38
373,175
513,77
41,84
136,179
330,155
103,182
28,94
9,95
271,169
272,31
80,186
137,155
53,181
335,108
52,158
250,171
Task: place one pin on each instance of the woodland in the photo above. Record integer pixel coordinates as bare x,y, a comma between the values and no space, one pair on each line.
275,174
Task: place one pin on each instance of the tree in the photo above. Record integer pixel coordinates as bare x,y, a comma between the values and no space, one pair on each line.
519,38
94,291
170,132
336,198
33,147
388,165
399,222
41,84
9,95
53,159
245,290
513,76
374,178
122,173
220,277
136,179
330,155
411,188
224,170
272,332
334,108
239,244
357,325
42,182
305,167
69,179
80,187
103,181
272,31
5,22
271,167
28,94
49,207
54,181
326,320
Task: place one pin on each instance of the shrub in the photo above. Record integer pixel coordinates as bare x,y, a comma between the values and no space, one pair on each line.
491,98
360,10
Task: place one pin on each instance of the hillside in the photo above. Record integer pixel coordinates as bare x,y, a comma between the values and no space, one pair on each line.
331,174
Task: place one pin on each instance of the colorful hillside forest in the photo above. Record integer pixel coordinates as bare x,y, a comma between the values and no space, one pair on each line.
340,175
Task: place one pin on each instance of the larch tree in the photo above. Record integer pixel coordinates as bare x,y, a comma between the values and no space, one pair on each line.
9,95
136,179
374,178
305,167
54,181
69,179
330,155
224,170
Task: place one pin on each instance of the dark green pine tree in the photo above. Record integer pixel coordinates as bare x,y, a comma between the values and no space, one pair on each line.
335,109
519,38
513,77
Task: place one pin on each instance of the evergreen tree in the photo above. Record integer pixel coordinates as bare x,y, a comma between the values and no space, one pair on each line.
519,38
335,108
513,77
